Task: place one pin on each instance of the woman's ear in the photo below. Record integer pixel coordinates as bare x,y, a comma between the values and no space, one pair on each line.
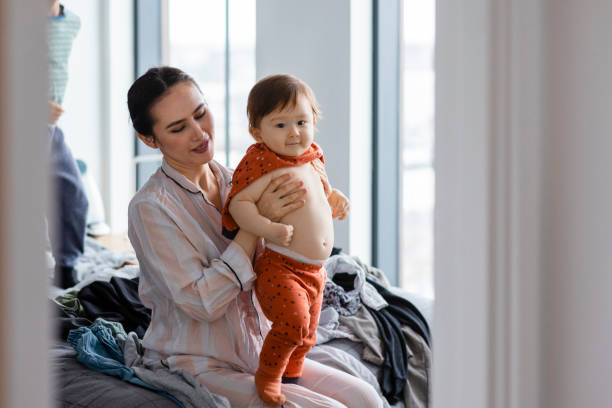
256,133
149,140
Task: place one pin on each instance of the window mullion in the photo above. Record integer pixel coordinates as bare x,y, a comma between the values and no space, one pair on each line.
386,96
227,86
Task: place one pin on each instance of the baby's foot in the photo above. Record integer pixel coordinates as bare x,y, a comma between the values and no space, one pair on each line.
268,389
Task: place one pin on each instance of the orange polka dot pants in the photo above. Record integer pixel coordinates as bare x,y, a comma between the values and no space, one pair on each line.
290,293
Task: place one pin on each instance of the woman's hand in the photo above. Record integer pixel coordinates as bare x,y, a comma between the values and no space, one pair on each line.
339,204
282,196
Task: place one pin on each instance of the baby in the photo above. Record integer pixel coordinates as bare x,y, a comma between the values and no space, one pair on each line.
282,113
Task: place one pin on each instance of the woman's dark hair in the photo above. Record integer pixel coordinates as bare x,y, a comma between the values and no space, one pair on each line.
149,88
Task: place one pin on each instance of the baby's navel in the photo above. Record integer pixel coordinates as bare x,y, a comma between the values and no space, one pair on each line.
324,244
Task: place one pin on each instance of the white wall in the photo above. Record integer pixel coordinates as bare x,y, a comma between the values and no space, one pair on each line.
461,235
328,45
578,202
523,220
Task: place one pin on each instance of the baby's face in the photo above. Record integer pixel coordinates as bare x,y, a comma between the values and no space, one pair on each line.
287,132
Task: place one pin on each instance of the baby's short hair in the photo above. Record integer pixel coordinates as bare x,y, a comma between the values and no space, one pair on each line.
276,92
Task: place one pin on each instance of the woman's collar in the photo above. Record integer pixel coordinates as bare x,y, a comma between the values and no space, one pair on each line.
184,182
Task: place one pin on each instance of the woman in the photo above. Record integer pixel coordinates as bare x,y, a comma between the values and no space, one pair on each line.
205,317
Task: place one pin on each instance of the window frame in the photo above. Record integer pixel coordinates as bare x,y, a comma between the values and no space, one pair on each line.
148,52
386,186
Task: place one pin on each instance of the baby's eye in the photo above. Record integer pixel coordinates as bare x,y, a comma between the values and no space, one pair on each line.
280,125
301,122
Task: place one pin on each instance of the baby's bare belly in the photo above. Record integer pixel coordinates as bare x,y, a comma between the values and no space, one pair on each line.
313,234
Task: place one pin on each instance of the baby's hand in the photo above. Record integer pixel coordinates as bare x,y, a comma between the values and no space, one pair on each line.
280,234
339,204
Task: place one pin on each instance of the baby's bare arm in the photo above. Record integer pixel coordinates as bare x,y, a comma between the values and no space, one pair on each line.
339,204
244,210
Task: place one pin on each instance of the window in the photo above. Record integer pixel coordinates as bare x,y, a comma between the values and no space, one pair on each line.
417,140
403,142
213,41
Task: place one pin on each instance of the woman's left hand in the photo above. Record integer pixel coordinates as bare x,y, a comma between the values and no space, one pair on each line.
283,195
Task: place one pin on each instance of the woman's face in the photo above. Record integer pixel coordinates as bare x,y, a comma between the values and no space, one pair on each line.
183,127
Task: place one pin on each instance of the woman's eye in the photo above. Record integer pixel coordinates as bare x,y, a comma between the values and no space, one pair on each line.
280,125
178,130
201,115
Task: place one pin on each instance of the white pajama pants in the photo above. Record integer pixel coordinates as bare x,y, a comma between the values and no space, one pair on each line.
319,387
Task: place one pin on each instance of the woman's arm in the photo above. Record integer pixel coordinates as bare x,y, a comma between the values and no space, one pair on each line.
246,241
201,287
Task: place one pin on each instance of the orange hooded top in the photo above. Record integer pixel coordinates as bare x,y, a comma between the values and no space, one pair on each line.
260,160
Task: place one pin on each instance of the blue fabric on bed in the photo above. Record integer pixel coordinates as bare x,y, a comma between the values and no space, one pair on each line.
97,349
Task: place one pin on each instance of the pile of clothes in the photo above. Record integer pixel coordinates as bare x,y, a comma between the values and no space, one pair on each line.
358,305
104,322
103,319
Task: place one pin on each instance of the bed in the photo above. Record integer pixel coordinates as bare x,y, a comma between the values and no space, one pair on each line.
107,263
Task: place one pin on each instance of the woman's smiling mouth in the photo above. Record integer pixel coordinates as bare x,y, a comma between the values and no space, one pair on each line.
201,148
